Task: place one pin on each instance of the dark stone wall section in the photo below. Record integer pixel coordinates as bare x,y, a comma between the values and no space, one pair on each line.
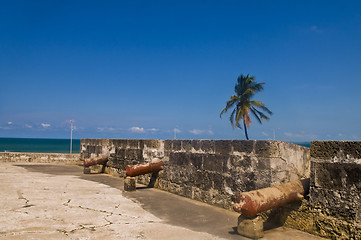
336,185
212,171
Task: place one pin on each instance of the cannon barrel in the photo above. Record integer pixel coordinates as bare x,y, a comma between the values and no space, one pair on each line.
254,202
93,161
140,169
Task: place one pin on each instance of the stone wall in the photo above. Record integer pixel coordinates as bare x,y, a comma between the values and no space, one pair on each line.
211,171
335,193
58,158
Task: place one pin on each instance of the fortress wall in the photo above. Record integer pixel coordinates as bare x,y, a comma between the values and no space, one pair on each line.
58,158
335,193
211,171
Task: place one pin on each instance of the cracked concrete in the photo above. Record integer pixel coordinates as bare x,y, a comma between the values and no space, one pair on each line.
41,206
41,201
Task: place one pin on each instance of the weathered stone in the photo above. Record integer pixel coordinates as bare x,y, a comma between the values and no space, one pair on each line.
134,154
151,143
196,160
244,146
168,144
129,184
266,149
250,227
177,145
133,143
243,162
86,170
223,147
212,162
179,158
186,145
119,143
207,146
331,149
196,144
263,164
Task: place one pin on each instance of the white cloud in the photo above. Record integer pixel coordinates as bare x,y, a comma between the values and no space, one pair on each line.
153,130
10,123
45,125
176,130
28,126
210,132
137,129
265,134
196,131
302,134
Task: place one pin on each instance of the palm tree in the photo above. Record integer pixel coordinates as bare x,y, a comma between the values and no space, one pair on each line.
243,104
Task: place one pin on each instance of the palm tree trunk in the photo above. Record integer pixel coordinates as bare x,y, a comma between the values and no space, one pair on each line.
245,130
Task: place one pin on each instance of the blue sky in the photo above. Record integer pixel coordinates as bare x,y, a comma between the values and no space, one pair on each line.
140,69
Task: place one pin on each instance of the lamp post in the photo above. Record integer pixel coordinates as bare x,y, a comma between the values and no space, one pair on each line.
71,135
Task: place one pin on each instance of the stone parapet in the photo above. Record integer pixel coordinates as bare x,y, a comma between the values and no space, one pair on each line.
57,158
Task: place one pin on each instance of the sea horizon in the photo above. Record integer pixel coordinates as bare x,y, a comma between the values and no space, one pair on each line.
54,145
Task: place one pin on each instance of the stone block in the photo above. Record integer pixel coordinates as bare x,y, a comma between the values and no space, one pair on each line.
266,149
196,144
120,153
223,147
87,170
177,145
168,145
330,149
129,184
196,160
208,146
263,164
179,158
250,227
202,180
152,143
133,143
213,162
244,162
134,154
186,145
243,146
119,143
339,204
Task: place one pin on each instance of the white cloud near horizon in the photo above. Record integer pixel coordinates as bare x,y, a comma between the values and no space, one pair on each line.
199,131
45,125
10,123
28,126
137,129
176,130
300,135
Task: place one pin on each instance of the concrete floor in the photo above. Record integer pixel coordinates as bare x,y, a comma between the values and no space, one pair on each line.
42,201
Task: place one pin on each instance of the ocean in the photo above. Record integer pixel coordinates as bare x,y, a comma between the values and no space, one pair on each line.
41,145
50,145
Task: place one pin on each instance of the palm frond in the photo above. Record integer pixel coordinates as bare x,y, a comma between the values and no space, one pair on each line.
261,114
229,104
231,118
253,110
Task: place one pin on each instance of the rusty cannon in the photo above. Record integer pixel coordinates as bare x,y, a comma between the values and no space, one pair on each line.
131,171
249,204
141,169
94,161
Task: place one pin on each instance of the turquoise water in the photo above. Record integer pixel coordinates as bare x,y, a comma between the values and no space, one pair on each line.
48,145
38,145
